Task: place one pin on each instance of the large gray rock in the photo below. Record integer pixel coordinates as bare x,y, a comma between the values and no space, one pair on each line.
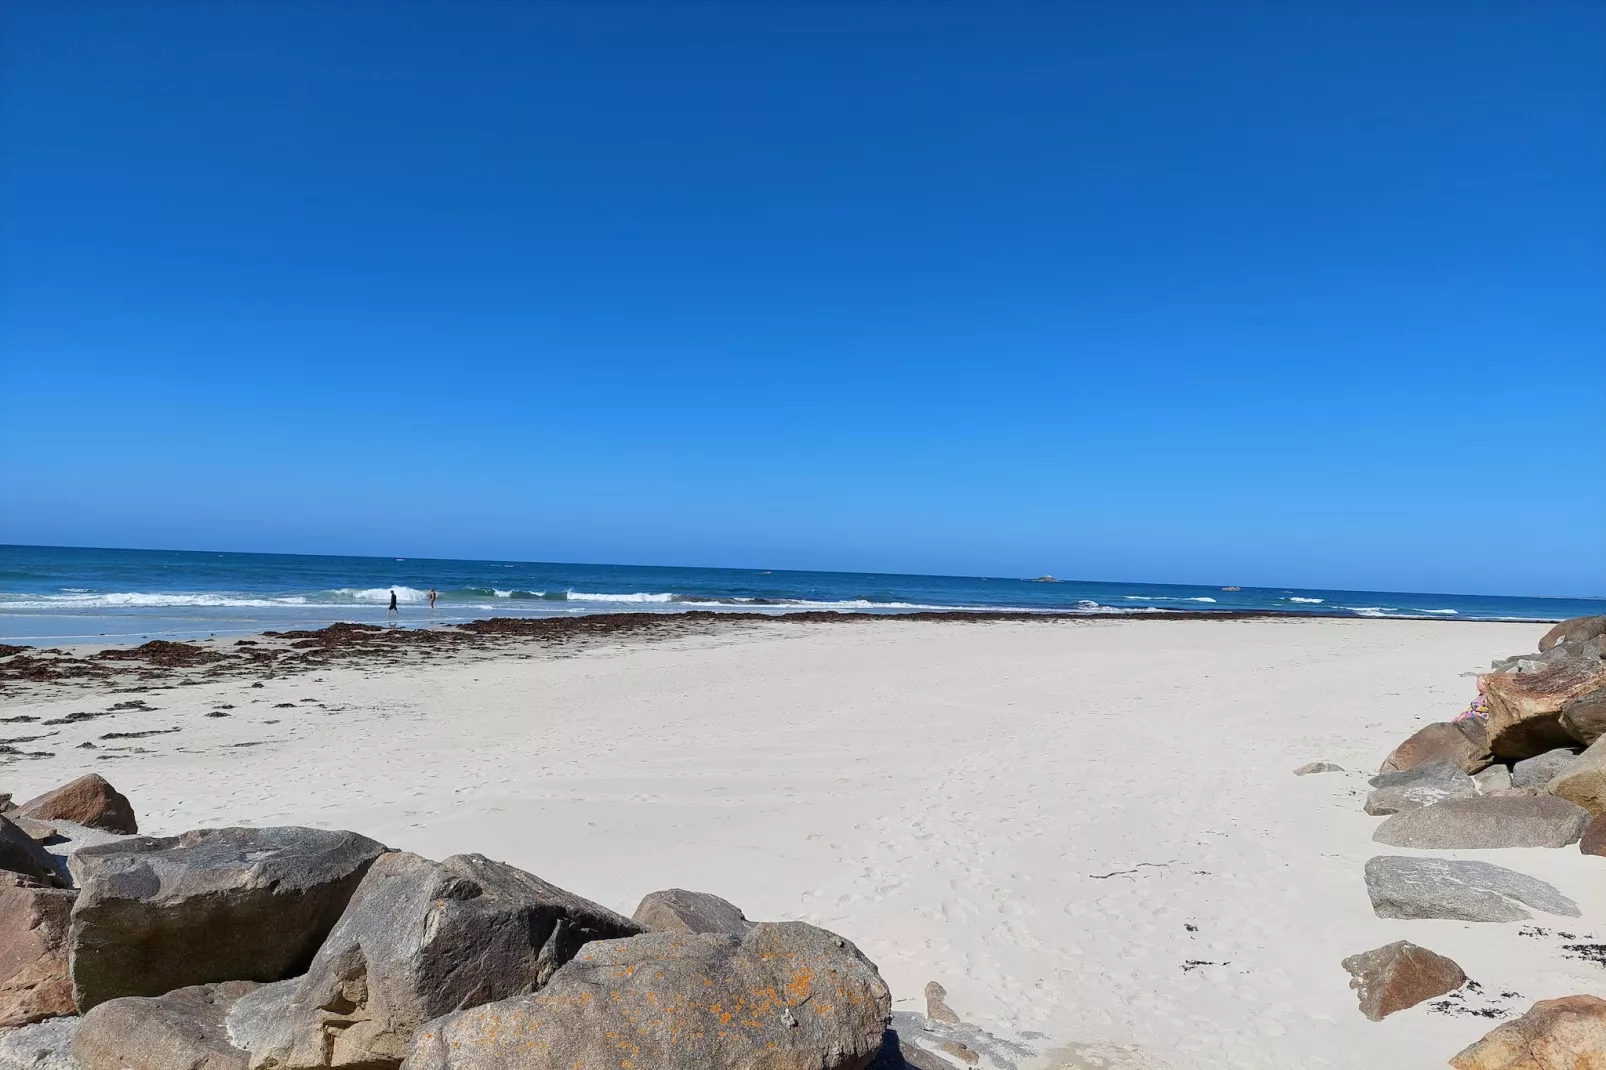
1540,770
20,854
1462,741
1584,716
234,904
419,939
45,1045
1576,630
782,997
1487,821
675,910
1400,975
182,1030
1419,786
33,951
1405,887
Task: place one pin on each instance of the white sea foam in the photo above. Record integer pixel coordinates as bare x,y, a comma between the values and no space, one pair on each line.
144,599
1451,612
1307,601
638,596
382,594
502,594
1368,611
1162,598
1198,599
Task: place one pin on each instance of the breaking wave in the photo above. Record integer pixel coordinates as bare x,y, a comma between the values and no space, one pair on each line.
118,599
381,594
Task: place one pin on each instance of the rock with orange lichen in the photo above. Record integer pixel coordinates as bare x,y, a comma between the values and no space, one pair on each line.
419,939
783,996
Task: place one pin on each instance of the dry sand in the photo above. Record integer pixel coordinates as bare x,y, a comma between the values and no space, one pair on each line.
1088,831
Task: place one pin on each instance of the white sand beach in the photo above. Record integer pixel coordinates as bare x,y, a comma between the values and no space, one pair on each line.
1089,832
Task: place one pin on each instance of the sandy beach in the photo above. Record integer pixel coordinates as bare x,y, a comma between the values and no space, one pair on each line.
1088,831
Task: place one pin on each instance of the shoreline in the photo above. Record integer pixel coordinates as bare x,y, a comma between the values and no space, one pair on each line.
270,653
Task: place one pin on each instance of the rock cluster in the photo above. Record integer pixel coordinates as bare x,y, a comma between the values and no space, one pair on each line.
1470,783
305,949
1530,771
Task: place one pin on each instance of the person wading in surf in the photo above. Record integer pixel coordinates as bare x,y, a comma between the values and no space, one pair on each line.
432,598
393,608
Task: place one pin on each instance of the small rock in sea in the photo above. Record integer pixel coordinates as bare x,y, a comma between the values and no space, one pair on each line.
1541,769
1462,741
217,713
89,800
1495,778
675,910
1400,975
1486,822
1401,886
936,1009
182,1028
1593,841
1584,780
1565,1034
1318,767
1419,786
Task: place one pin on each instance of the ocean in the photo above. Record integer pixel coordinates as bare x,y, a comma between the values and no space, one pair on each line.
52,594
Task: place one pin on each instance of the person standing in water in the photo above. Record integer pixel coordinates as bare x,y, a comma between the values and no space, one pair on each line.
432,599
393,608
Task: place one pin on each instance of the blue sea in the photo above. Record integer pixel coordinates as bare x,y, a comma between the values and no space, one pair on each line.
52,594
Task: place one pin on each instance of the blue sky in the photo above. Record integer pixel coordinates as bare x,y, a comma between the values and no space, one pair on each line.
1308,294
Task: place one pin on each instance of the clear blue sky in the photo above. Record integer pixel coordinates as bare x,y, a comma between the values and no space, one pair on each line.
1307,293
